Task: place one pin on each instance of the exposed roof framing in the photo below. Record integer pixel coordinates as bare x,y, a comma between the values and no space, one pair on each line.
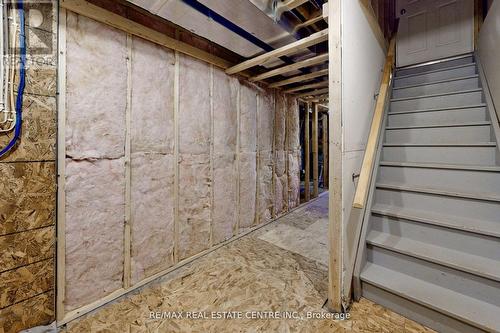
308,86
299,78
308,22
313,93
292,48
289,68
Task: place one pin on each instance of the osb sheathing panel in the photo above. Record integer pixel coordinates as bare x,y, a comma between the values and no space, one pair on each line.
293,129
38,131
194,106
95,207
26,281
266,120
28,196
225,210
248,119
280,183
294,178
32,312
26,247
225,112
265,185
152,111
152,208
248,190
96,89
194,204
280,122
40,79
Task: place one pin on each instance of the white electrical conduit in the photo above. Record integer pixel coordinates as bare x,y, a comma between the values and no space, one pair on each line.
10,81
3,83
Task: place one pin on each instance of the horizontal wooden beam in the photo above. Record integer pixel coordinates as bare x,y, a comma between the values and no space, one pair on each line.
299,78
303,43
313,93
292,4
308,23
99,14
308,86
289,68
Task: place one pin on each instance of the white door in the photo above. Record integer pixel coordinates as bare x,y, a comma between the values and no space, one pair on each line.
433,29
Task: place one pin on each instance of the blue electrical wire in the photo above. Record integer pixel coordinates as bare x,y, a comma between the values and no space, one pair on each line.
20,89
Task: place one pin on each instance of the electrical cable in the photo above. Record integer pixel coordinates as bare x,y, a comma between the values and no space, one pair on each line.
22,74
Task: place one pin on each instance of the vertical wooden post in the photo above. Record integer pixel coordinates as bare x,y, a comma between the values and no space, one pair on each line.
324,120
307,152
315,149
335,152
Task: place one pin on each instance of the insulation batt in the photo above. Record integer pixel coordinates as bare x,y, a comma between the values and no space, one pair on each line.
248,119
96,89
152,110
294,178
95,215
280,122
225,210
225,114
248,188
293,129
194,204
266,192
280,184
152,209
266,121
194,106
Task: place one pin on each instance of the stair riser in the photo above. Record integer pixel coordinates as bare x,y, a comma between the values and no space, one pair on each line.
439,117
437,88
435,66
428,317
446,155
470,243
466,134
471,285
444,205
454,100
459,180
435,76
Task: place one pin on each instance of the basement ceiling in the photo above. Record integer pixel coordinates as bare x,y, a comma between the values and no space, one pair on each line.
249,15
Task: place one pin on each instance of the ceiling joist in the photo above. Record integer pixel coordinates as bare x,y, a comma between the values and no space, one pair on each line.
292,48
289,68
308,86
299,78
313,93
308,23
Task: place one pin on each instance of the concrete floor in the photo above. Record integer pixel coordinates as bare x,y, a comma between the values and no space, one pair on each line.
281,267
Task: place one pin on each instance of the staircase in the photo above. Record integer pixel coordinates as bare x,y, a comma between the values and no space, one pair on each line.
432,242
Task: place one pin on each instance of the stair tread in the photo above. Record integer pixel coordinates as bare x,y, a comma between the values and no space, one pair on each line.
436,70
481,105
465,308
437,82
483,227
467,124
441,191
459,260
442,166
471,144
457,92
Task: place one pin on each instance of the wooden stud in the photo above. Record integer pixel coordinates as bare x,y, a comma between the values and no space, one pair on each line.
335,229
313,93
299,78
307,140
128,174
176,155
211,93
290,68
325,149
308,86
315,150
238,139
301,44
99,14
61,170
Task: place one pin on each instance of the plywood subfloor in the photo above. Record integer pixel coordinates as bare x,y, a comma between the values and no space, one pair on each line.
267,270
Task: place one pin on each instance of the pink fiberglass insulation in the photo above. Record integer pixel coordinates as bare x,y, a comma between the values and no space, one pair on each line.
152,213
248,119
280,122
293,130
96,89
152,111
225,210
225,99
266,193
194,204
266,121
248,190
293,178
95,214
280,183
194,106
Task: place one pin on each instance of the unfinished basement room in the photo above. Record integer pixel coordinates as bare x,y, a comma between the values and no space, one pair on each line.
276,166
